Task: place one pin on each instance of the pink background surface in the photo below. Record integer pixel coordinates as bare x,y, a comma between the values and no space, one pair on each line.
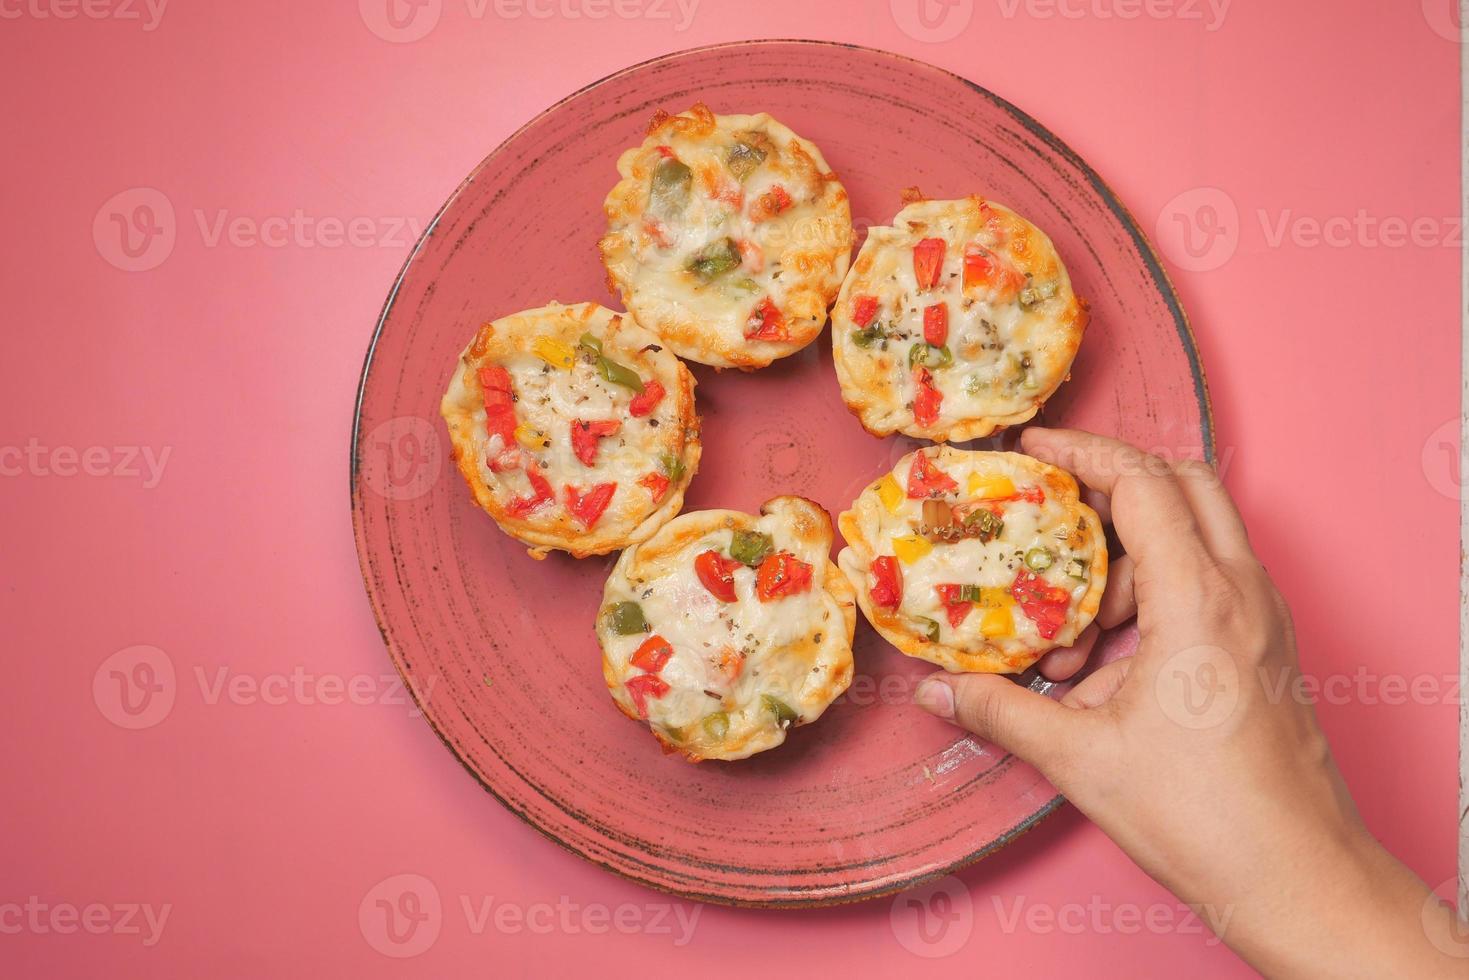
266,827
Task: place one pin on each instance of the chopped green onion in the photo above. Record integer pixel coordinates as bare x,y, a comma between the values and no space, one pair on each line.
867,336
785,715
670,192
715,259
930,628
620,374
929,356
743,158
1033,296
990,524
1076,568
617,374
672,466
716,726
1039,559
627,619
750,547
969,593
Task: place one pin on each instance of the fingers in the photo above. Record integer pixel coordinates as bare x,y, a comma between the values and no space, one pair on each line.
1119,601
1098,502
997,709
1062,663
1151,514
1219,521
1098,689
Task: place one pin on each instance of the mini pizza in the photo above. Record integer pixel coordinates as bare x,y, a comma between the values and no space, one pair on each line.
975,561
724,630
728,236
955,322
574,428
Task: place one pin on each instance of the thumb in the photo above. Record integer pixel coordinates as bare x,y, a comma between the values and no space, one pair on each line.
997,709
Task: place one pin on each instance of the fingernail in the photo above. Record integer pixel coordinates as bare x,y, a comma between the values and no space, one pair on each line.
935,697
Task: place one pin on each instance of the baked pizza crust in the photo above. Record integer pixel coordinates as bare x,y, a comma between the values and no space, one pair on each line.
775,202
796,648
1062,525
1014,324
547,395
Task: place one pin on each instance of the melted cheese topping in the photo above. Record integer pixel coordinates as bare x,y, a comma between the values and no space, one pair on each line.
549,400
794,648
1013,322
557,383
718,221
1062,538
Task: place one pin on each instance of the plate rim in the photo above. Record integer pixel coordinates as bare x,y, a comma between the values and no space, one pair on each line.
1156,273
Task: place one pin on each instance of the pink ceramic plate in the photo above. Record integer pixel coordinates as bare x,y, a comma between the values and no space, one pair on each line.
876,796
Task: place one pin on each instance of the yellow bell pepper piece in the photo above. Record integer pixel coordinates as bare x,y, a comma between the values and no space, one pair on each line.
910,548
528,437
557,353
890,493
990,487
997,622
995,597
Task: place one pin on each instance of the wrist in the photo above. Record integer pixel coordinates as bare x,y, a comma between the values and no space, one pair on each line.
1348,908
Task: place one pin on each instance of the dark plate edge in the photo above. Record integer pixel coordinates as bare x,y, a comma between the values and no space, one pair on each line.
1109,197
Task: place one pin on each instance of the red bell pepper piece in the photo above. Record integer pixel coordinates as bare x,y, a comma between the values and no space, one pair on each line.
717,574
770,204
928,261
927,399
657,485
588,506
1043,604
887,589
541,493
657,231
653,654
642,687
505,461
956,608
495,381
927,480
983,268
585,436
782,574
766,322
936,324
646,400
499,397
864,308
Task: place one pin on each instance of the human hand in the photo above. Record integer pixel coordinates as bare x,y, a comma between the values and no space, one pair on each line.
1188,756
